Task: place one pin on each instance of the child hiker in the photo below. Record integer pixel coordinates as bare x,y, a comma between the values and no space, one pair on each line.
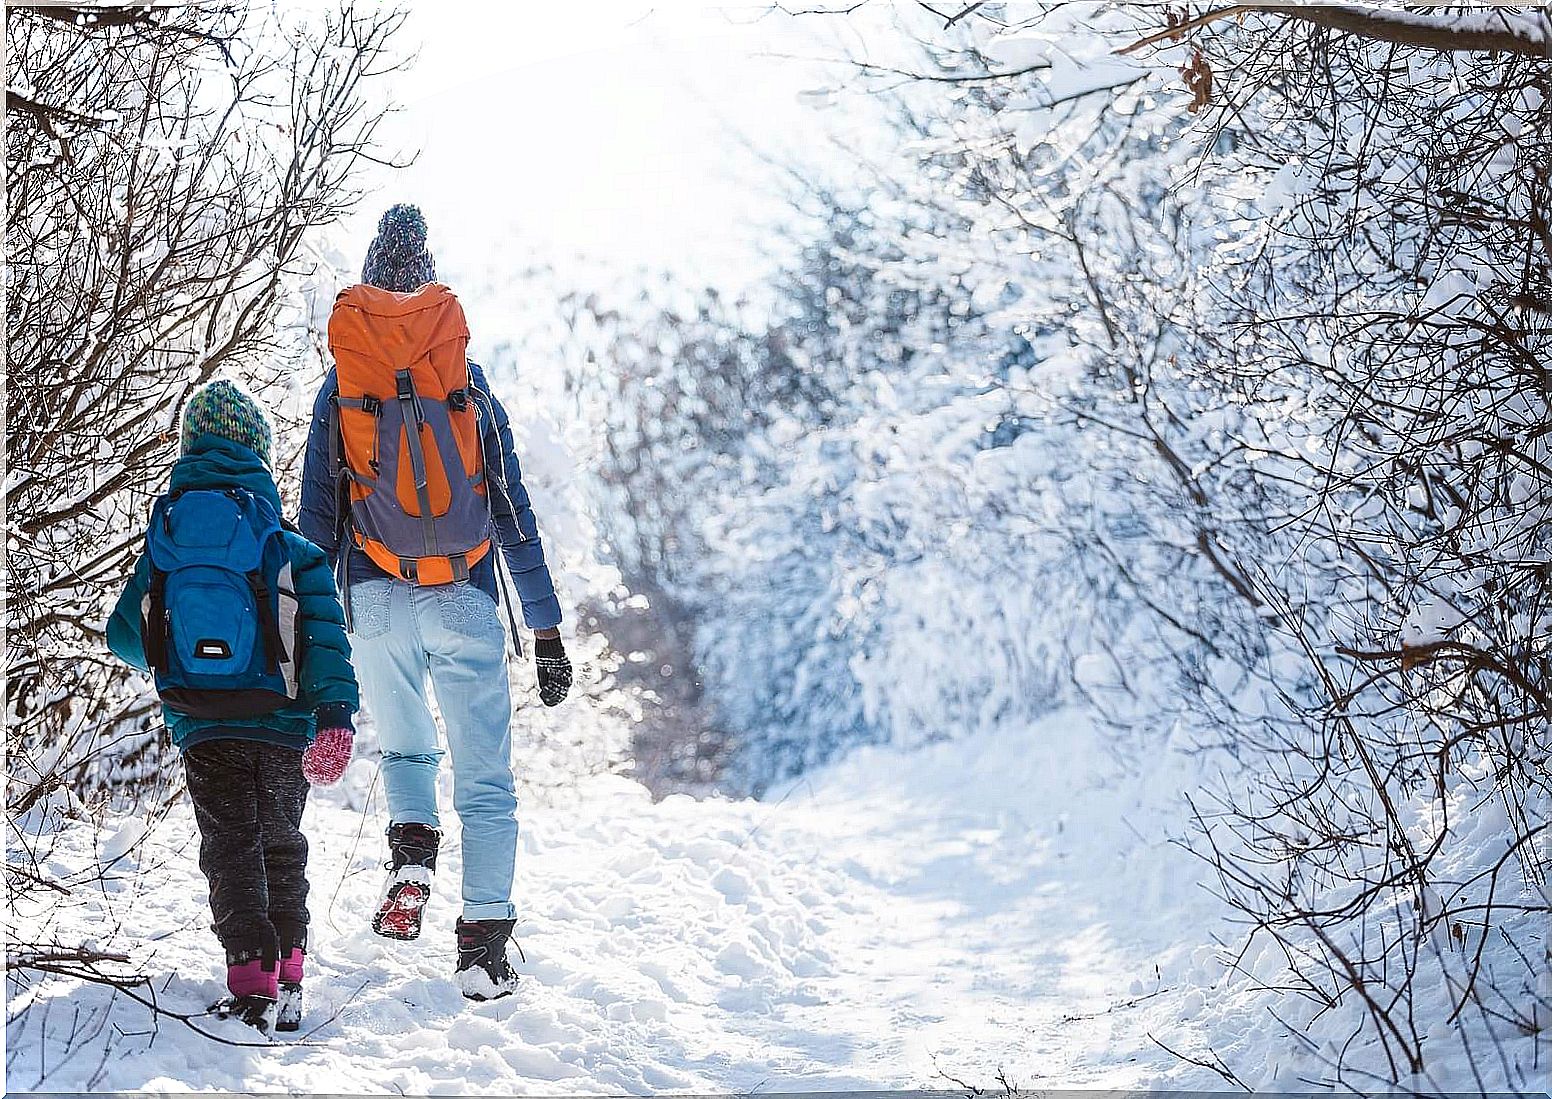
238,618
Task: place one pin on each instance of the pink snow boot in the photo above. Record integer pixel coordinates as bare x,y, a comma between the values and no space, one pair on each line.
254,977
291,967
254,984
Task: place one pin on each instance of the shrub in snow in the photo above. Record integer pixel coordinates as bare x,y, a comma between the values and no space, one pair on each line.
1218,404
160,187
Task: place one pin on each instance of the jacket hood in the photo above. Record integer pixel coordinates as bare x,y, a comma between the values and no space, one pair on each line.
212,461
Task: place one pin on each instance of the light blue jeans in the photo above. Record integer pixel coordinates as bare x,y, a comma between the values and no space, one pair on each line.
401,633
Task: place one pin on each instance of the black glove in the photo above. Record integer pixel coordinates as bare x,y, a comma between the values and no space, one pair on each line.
554,670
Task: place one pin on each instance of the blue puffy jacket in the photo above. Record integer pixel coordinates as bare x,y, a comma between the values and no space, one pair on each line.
518,537
326,681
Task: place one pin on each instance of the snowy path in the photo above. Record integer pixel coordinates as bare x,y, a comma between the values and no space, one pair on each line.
888,919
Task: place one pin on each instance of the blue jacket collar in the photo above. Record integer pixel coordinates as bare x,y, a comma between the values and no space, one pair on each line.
213,461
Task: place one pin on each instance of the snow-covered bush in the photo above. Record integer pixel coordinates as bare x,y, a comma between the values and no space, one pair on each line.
1314,318
800,491
163,169
1218,399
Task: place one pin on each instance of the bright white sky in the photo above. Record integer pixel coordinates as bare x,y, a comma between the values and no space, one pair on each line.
610,131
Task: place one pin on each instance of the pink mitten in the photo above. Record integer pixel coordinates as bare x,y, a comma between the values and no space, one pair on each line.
324,760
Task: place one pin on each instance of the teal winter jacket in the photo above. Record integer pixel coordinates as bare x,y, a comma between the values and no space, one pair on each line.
326,682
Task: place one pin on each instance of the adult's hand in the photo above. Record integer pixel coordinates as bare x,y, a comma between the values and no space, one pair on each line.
553,666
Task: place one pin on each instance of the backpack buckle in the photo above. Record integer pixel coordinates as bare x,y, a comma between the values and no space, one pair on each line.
458,400
371,405
408,569
405,383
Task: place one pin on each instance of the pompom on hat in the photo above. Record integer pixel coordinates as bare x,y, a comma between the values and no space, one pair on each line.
397,258
226,409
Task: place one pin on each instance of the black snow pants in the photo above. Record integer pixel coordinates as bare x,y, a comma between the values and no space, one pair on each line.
248,798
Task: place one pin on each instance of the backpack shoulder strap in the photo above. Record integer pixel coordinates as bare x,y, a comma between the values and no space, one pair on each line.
269,623
495,471
337,471
153,627
500,507
340,475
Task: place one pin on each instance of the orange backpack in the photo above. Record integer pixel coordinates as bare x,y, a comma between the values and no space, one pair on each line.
407,434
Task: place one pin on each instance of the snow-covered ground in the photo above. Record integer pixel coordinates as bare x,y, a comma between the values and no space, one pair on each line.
895,920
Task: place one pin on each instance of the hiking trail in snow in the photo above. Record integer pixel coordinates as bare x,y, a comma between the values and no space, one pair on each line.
895,920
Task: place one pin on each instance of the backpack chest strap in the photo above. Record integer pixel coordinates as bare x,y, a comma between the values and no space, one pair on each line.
367,403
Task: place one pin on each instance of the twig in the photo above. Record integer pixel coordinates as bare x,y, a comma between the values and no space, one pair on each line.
1220,1068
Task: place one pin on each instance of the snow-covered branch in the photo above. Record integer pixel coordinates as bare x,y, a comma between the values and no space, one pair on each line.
1527,34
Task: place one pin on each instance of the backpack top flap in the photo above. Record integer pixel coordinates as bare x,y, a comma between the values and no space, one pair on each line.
374,333
225,527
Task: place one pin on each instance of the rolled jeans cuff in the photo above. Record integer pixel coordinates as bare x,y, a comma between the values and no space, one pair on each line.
490,910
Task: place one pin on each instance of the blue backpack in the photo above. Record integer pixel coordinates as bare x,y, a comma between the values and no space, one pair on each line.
220,623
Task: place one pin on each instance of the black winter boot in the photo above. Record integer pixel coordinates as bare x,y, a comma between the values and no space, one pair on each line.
413,848
483,970
293,953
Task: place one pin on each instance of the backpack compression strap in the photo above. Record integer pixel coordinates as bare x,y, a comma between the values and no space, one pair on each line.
410,401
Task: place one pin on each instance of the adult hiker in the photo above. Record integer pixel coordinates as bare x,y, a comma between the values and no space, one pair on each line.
412,486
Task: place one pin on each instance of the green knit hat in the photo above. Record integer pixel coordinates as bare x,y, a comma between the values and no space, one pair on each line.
224,408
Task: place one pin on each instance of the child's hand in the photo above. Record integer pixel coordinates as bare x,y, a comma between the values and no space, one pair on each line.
324,760
553,668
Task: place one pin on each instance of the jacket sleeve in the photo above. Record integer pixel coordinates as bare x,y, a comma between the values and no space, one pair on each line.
326,679
124,636
518,534
320,503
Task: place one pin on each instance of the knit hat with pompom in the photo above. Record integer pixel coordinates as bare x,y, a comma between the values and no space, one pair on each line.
397,258
226,409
